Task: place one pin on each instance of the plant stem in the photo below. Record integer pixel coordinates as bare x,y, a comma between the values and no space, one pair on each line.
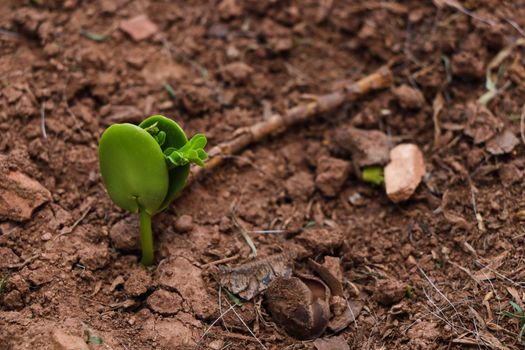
146,238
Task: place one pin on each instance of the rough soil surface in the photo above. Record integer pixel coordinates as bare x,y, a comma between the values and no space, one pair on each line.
434,272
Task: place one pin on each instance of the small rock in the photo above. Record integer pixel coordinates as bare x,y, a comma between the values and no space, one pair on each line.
217,344
334,343
40,276
178,273
404,172
7,258
137,283
300,185
409,97
64,341
509,174
124,234
20,196
320,240
139,27
502,143
389,291
357,200
46,236
184,223
331,175
368,147
229,8
165,302
236,72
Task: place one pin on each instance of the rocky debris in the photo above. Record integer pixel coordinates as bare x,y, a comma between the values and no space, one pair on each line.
481,125
320,240
300,185
300,305
94,256
404,172
124,234
138,282
368,147
184,223
64,341
236,72
423,334
334,343
251,279
7,258
389,291
509,174
181,275
331,175
20,196
409,97
165,302
139,27
502,143
229,9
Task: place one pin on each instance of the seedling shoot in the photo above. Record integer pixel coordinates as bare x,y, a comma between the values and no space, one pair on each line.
144,167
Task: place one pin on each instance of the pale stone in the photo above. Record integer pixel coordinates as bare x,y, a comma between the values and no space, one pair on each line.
404,172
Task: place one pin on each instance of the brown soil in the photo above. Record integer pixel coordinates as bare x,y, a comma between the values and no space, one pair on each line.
435,272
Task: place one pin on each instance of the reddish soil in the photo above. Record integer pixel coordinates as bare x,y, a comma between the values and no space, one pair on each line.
435,272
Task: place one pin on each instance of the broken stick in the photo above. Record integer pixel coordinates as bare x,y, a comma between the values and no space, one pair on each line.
276,124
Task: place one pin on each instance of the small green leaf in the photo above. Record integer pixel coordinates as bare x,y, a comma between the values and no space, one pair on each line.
516,308
374,175
170,90
233,297
94,340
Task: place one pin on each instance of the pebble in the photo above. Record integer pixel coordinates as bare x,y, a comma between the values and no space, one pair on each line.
20,196
404,172
139,27
184,223
409,97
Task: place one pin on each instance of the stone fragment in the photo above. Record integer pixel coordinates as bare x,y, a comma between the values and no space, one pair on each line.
502,143
64,341
236,72
404,172
139,27
20,196
334,343
300,185
331,175
368,147
184,223
165,302
409,97
179,274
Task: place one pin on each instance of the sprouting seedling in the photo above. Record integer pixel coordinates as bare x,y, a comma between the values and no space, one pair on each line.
374,175
144,167
518,315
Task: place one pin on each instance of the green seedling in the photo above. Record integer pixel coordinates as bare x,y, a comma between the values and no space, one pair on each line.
374,175
144,167
518,315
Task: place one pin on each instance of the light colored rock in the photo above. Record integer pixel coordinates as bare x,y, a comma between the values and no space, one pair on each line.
404,172
20,195
184,223
409,97
139,27
64,341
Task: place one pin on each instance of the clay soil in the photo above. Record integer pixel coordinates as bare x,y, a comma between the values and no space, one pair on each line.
435,272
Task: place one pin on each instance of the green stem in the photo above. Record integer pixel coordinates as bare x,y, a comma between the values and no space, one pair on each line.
146,238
